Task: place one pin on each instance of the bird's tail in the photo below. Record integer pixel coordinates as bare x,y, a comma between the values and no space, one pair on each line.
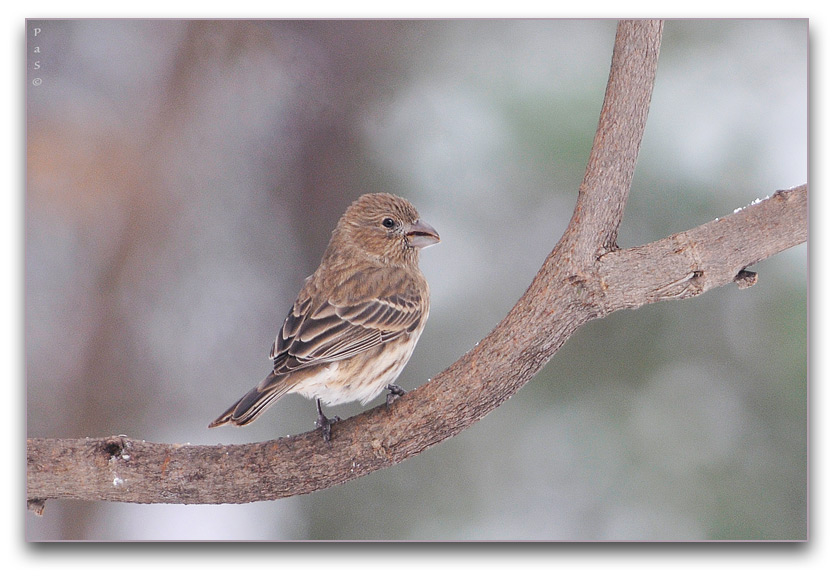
255,402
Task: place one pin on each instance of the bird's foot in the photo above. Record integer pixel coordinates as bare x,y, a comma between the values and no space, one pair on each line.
394,393
324,423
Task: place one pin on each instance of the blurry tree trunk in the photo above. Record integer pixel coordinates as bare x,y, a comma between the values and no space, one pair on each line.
586,276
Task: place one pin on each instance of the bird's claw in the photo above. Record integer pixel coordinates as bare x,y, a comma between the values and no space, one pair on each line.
394,393
324,423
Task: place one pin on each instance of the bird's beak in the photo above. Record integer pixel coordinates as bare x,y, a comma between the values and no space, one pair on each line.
420,234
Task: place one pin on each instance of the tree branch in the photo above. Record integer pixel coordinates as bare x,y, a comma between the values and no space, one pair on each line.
625,108
585,277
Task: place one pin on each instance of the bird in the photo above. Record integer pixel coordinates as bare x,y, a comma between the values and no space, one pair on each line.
357,318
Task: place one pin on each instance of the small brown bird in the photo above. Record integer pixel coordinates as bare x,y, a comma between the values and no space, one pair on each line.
357,319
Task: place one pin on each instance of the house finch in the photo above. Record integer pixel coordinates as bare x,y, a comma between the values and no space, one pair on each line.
357,319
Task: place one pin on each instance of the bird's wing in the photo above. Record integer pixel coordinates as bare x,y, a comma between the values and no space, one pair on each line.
339,329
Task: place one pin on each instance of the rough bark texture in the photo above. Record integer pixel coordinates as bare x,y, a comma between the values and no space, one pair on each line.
585,277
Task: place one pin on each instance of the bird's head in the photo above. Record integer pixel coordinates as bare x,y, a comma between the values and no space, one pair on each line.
385,227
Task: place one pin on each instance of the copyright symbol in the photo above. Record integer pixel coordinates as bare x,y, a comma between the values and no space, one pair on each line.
37,81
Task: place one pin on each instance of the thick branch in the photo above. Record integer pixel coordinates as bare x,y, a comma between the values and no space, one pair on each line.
604,190
569,290
706,257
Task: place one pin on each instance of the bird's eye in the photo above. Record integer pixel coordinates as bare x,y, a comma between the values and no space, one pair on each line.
388,223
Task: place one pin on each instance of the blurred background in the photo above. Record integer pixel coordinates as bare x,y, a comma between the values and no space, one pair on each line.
183,178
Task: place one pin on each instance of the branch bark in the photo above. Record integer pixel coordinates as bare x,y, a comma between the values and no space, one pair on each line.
585,277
